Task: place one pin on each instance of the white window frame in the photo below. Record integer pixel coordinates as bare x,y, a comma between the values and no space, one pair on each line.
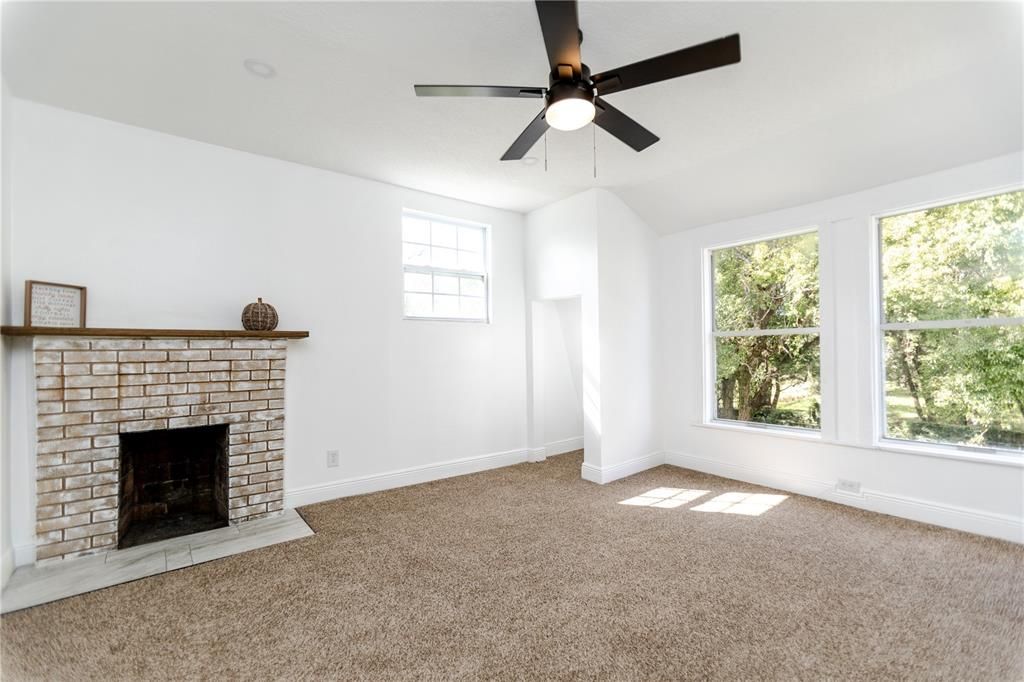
881,440
711,334
485,274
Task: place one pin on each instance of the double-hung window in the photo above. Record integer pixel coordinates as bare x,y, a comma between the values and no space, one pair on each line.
445,268
765,332
952,320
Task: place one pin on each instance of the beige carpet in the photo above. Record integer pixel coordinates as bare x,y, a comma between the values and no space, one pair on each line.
530,573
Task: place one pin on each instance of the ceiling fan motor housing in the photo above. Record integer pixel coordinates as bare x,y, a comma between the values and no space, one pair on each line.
561,88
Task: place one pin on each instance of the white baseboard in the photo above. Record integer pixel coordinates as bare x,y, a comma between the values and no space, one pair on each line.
1001,526
24,555
535,455
6,564
298,497
560,447
614,472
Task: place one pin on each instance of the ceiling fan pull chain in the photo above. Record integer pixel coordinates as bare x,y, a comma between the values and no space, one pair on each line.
593,130
545,151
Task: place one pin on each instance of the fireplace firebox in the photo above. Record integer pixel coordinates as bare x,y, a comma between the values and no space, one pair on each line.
173,482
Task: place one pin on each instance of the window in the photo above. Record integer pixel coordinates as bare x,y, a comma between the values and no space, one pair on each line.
952,313
765,332
445,268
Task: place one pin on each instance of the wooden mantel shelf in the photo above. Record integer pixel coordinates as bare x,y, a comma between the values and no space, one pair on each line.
18,330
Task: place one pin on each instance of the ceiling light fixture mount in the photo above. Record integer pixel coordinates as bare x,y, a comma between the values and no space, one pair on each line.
259,69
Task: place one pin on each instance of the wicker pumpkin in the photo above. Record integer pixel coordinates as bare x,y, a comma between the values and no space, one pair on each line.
259,317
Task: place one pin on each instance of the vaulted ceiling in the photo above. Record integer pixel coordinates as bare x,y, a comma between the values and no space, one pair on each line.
830,97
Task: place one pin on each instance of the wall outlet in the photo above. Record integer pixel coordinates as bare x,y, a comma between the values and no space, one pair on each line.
847,486
332,458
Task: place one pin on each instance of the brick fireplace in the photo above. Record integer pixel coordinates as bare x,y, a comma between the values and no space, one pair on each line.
92,393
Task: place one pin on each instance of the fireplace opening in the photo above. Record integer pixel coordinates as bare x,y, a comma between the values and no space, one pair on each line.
173,482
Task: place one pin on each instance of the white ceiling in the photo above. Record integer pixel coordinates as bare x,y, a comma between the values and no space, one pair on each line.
829,98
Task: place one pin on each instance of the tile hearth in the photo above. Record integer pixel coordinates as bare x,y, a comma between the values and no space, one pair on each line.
35,585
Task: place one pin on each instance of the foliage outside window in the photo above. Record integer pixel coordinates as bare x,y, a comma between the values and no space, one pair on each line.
953,323
766,339
445,268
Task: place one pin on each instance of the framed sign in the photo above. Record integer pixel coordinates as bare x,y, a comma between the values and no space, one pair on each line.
48,304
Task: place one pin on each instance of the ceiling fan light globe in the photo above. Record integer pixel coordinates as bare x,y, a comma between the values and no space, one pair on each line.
570,113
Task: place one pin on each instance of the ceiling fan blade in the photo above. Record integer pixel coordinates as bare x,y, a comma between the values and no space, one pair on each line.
622,126
683,62
476,91
527,138
560,25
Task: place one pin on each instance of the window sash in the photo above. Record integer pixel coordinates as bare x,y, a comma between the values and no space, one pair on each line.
780,331
476,247
713,332
882,411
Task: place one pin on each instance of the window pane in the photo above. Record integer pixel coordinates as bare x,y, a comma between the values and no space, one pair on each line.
767,285
415,230
446,306
769,379
414,254
444,258
955,262
960,386
471,239
473,308
472,286
417,281
418,305
471,260
446,284
443,234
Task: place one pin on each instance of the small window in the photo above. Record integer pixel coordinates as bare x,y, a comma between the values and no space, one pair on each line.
445,268
765,334
952,314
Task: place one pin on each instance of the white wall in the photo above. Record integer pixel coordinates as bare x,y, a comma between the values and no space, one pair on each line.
561,362
593,246
561,263
167,232
6,541
979,496
628,286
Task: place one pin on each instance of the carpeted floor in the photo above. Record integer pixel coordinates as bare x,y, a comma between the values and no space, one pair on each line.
530,573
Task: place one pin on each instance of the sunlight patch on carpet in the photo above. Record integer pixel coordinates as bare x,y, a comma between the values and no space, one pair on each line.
665,498
747,504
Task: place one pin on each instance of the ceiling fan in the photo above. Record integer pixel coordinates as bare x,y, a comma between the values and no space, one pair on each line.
574,97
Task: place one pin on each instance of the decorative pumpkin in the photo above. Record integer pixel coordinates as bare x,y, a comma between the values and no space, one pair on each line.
259,317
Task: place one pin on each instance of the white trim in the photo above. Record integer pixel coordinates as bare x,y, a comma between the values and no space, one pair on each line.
535,455
6,564
360,485
711,333
949,201
559,447
427,215
1001,526
769,237
998,456
24,555
614,472
485,274
953,324
879,436
766,429
783,331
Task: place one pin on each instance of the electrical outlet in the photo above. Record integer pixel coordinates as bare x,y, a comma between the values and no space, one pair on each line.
332,458
847,486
